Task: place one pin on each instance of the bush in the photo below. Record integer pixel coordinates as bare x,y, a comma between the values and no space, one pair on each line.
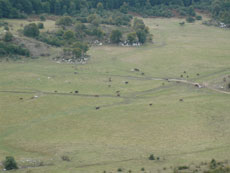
9,163
83,46
119,170
65,21
190,19
42,18
198,17
53,40
65,158
132,37
8,37
151,157
213,164
8,48
6,28
68,35
182,167
40,25
31,30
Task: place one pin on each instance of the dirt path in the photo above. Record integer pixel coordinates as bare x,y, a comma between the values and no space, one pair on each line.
131,95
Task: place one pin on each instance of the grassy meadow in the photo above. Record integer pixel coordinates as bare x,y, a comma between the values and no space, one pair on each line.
126,129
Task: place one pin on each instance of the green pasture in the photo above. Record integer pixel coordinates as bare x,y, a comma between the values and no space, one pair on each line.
126,129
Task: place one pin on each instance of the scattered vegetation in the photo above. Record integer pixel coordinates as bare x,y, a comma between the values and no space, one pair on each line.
116,36
8,37
151,157
9,163
31,30
65,158
190,19
7,49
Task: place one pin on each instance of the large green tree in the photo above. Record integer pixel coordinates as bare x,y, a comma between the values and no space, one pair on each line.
31,30
116,36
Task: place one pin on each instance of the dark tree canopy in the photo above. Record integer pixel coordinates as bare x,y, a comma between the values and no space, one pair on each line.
31,30
116,36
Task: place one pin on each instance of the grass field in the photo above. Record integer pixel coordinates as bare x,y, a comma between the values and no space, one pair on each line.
125,130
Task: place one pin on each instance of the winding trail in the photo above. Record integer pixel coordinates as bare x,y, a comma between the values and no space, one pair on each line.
195,84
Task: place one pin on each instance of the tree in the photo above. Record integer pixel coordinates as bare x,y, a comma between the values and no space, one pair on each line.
142,36
5,8
132,37
8,37
100,7
68,35
80,27
9,163
83,46
94,19
31,30
77,52
91,17
138,24
191,11
124,8
116,36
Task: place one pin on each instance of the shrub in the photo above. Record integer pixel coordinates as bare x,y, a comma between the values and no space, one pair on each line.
98,33
213,164
182,167
65,21
190,19
83,46
8,48
100,6
9,163
119,170
42,18
6,28
151,157
132,37
8,37
68,35
198,17
65,158
124,8
40,25
51,39
142,169
31,30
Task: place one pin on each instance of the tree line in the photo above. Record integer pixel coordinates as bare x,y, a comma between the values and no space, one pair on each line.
220,9
16,8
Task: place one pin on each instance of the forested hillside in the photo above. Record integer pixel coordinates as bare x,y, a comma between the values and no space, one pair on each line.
220,9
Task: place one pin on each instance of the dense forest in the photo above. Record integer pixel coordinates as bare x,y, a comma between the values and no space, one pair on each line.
220,9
